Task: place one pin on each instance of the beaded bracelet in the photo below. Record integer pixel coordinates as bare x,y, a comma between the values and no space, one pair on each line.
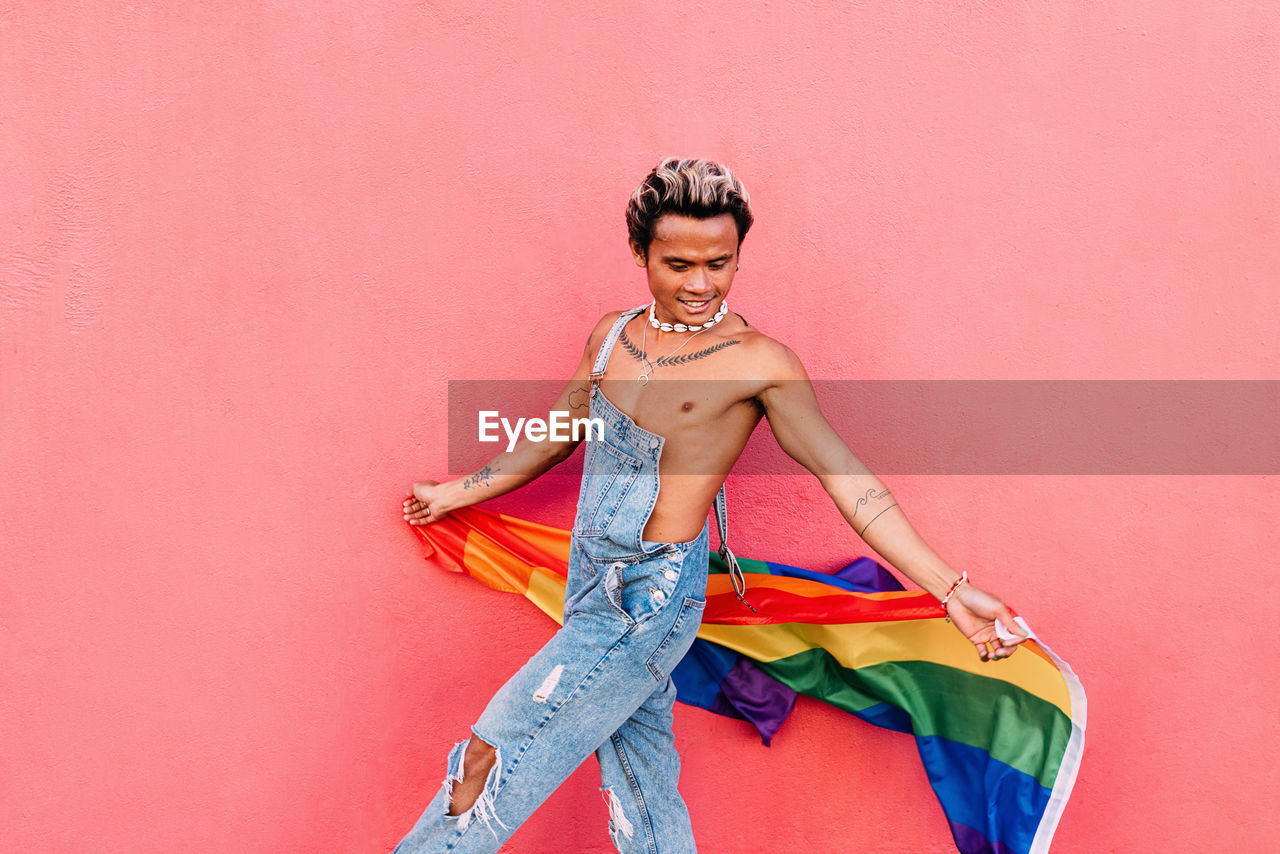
964,576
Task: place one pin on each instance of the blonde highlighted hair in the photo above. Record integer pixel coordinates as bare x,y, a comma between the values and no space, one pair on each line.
696,188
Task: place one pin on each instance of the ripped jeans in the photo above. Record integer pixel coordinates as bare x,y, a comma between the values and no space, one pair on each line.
601,684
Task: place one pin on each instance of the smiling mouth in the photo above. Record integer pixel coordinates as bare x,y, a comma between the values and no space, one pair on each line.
695,306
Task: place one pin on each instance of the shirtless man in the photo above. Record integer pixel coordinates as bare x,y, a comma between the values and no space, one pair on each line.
684,380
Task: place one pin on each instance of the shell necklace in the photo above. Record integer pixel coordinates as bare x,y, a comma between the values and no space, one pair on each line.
649,365
684,327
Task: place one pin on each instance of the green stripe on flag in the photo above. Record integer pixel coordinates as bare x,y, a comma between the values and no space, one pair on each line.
1031,736
758,567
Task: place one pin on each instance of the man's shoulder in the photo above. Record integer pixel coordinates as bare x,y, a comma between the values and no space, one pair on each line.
609,318
604,324
601,330
768,357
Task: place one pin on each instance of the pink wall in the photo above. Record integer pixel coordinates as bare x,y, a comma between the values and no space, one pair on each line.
245,246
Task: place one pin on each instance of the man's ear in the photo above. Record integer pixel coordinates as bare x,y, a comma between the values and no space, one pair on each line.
641,256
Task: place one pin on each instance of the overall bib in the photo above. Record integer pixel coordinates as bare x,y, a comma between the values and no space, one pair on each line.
602,683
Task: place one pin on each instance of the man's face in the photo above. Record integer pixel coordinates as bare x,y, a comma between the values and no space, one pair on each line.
690,266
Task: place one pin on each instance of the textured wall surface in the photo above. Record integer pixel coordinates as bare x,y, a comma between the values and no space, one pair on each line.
245,246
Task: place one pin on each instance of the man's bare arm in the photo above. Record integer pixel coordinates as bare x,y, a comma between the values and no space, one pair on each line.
867,504
862,498
430,501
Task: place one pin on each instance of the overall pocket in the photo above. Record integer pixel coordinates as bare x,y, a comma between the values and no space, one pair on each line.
678,640
639,589
607,477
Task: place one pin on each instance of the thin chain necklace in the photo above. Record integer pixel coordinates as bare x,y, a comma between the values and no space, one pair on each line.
649,365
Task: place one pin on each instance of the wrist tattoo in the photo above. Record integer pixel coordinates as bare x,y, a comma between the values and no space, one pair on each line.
481,478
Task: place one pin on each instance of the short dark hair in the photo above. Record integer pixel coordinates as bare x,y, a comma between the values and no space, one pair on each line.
696,188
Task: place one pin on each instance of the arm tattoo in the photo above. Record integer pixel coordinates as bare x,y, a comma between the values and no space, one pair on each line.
870,496
481,478
875,517
578,399
871,493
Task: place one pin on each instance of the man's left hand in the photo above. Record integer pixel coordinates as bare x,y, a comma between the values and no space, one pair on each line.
975,612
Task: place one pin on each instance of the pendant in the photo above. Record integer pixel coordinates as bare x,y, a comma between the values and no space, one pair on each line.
643,379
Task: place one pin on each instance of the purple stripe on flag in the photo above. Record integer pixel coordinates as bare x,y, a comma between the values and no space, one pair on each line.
865,573
758,697
970,841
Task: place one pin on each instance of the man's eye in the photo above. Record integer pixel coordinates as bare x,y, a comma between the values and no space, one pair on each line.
717,266
679,268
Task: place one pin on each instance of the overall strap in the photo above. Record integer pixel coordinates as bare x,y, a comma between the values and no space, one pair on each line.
735,571
722,510
602,358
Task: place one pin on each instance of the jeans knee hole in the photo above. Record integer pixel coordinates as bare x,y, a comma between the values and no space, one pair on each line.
463,773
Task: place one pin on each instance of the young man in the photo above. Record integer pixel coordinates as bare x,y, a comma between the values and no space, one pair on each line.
686,388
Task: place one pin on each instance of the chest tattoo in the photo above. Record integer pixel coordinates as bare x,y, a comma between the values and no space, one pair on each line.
680,359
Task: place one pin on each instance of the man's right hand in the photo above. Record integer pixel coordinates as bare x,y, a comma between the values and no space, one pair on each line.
424,504
430,501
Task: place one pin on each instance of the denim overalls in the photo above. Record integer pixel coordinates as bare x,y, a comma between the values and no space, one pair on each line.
602,683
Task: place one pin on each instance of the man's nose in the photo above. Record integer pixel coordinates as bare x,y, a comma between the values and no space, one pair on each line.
698,281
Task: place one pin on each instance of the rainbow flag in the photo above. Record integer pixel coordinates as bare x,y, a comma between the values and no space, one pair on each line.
1001,741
